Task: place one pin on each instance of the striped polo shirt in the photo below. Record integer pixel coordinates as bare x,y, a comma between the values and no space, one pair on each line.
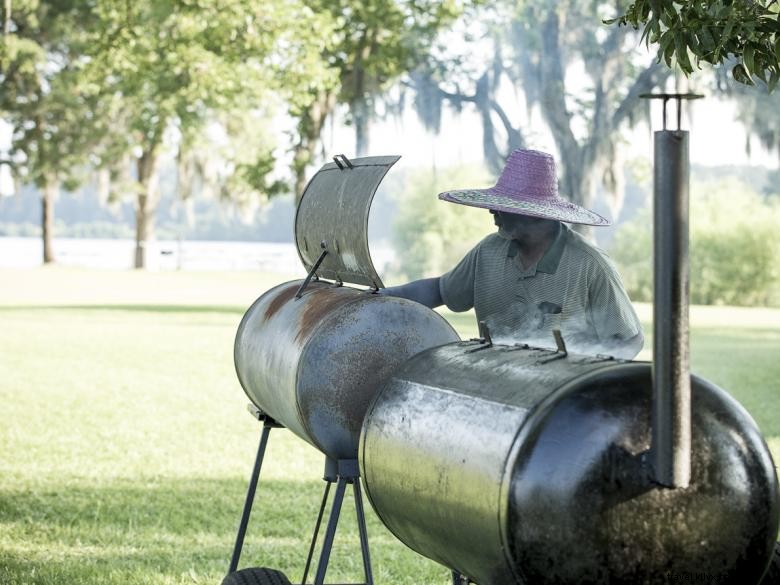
574,287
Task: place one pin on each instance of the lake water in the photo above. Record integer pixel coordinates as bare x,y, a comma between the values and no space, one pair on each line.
165,255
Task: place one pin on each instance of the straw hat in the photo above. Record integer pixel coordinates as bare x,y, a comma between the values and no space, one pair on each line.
528,186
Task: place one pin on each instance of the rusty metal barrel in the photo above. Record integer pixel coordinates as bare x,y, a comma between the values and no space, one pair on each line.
313,354
315,363
518,465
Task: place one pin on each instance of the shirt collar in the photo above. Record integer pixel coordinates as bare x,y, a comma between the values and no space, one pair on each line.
552,257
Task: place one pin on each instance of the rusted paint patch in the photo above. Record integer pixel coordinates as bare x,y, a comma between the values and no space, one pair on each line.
318,306
279,300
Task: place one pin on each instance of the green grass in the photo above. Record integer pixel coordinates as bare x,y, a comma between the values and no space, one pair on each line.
125,446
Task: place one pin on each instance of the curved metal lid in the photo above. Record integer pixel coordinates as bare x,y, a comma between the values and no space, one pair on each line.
332,216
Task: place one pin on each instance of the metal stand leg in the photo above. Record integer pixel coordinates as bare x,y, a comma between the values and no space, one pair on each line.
330,533
316,532
348,473
268,424
361,522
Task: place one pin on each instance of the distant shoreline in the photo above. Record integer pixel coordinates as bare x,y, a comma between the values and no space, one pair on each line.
163,255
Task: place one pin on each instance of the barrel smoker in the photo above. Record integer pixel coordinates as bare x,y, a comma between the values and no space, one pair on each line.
508,464
513,464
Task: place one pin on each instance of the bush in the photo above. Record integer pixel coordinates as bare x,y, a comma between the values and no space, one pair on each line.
735,254
431,236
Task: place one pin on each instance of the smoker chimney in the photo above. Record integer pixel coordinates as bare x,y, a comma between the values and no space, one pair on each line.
670,450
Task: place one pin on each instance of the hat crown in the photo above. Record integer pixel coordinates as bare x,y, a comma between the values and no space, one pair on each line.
529,174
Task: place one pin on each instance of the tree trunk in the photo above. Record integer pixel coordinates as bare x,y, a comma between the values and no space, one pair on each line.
310,124
362,121
7,18
148,198
51,189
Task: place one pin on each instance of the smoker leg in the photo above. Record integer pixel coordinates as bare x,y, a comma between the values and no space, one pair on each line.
330,533
343,473
250,495
316,531
361,521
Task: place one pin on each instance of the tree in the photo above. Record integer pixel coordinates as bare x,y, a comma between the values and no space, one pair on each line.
757,109
177,62
733,247
57,118
535,45
425,232
714,31
374,44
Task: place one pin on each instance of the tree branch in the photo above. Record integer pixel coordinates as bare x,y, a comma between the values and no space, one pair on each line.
515,138
553,100
647,80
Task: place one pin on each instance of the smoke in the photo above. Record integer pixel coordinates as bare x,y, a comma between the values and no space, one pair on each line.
534,326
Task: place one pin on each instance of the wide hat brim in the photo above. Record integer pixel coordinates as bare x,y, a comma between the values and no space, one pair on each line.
546,208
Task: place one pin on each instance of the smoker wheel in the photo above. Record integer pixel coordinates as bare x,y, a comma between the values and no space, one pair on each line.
256,576
772,575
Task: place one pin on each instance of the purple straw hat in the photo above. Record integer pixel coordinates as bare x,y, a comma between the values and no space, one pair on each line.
528,186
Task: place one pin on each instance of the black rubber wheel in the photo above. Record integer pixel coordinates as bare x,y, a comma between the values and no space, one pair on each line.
256,576
772,575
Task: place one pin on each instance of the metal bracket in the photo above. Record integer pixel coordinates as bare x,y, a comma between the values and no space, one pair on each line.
484,339
560,351
559,342
344,161
484,334
555,356
263,417
678,97
312,272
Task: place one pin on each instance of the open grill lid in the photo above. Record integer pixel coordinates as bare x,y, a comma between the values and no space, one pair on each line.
332,216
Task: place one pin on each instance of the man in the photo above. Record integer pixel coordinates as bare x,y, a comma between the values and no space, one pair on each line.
535,275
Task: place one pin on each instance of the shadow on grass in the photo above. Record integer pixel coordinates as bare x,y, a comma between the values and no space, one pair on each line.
227,309
177,531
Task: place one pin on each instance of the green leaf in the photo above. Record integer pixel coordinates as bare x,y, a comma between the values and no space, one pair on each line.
666,50
726,34
693,43
749,58
681,51
740,75
706,39
761,74
773,79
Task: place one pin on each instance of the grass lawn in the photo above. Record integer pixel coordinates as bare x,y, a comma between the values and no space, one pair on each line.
125,446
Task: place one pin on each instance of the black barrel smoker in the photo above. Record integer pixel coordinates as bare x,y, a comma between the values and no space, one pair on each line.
511,464
508,464
312,354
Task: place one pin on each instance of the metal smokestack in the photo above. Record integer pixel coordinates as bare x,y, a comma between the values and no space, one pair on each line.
670,451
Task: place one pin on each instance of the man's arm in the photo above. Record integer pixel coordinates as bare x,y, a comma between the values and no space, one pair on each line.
424,291
455,288
626,348
612,314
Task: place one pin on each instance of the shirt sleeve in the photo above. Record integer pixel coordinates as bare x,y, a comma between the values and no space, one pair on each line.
457,286
610,310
